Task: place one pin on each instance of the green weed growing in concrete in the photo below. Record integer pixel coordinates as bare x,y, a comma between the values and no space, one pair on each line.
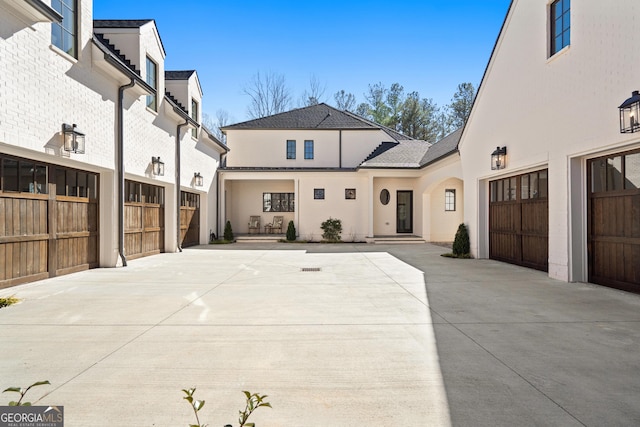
196,405
332,229
7,301
254,401
22,392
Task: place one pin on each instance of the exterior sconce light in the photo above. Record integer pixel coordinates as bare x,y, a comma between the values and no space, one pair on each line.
630,114
73,139
157,166
499,158
197,179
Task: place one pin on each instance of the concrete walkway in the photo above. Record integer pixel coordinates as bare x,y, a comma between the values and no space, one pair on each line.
382,335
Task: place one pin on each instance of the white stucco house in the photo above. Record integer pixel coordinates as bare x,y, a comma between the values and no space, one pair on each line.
317,162
567,198
102,155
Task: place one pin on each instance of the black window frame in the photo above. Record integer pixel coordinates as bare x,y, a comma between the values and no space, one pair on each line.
308,149
152,100
560,37
449,200
318,194
194,115
278,202
291,149
68,27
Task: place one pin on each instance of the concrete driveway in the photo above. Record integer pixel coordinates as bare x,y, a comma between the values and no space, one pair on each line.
336,335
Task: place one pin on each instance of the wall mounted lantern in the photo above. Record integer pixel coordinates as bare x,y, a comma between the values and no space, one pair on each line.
157,166
630,114
197,179
499,158
73,139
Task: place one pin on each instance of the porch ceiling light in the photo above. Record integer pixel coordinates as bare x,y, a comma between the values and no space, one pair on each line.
499,158
157,166
630,114
73,139
197,179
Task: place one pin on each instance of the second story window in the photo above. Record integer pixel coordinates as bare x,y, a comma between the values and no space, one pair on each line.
64,34
308,150
194,116
152,80
560,25
291,149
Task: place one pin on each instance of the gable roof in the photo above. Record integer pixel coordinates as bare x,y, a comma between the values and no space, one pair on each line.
127,23
120,23
320,116
443,148
178,75
405,154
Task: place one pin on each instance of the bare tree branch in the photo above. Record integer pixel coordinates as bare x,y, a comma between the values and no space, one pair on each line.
269,95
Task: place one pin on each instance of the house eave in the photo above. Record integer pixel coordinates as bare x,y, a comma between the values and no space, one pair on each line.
33,10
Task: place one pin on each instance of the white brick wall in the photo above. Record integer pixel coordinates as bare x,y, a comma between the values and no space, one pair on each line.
41,88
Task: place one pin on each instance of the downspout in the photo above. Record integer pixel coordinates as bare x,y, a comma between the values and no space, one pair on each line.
121,90
218,213
340,149
178,199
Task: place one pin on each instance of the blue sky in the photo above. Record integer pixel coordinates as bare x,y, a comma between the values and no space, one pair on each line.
427,46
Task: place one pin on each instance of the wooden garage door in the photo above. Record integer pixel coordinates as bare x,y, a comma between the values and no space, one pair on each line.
519,220
48,220
143,219
189,219
614,221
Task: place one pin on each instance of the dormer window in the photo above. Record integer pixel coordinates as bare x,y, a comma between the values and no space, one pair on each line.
560,25
152,80
194,116
64,34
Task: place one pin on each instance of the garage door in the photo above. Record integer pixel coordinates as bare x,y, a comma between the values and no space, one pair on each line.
519,220
614,221
143,219
48,220
189,219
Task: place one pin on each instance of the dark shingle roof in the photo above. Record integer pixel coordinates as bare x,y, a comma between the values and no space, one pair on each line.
406,154
178,75
120,23
446,146
321,116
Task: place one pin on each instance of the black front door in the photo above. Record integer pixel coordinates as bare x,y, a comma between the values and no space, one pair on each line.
404,212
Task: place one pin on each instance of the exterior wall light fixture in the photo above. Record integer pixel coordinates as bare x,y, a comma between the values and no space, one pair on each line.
157,166
197,179
630,114
73,139
499,158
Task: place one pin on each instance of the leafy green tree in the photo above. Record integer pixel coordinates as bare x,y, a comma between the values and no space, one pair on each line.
461,104
379,111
